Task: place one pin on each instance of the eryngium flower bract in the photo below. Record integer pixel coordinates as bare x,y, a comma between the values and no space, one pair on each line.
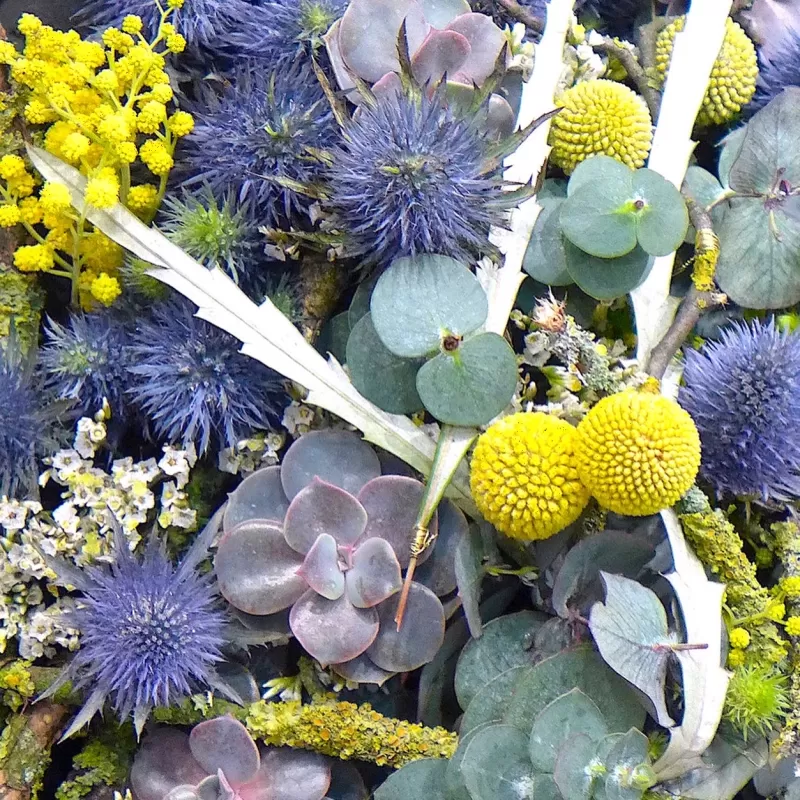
151,632
23,422
194,385
775,73
743,392
412,178
262,129
278,33
86,361
204,23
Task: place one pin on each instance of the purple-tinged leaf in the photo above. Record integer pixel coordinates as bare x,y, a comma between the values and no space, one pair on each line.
368,35
375,574
332,631
253,629
214,787
439,12
442,53
500,119
438,573
163,762
419,638
338,457
321,569
256,570
391,503
288,774
362,670
486,41
323,508
186,792
340,71
259,496
388,86
223,743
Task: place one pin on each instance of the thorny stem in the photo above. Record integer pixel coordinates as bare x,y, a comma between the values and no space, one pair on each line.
522,14
635,72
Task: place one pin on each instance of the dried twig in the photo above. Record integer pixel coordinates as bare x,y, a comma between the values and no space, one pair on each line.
635,72
522,14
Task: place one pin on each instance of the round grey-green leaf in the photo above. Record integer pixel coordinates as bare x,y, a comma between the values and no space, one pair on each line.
545,259
424,778
418,300
382,377
607,278
474,385
661,225
496,765
598,219
599,170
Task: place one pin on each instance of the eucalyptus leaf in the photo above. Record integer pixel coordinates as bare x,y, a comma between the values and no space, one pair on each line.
598,171
472,386
420,299
489,705
560,721
731,147
607,278
496,765
704,187
545,257
505,643
628,753
454,779
631,632
382,377
662,222
609,550
423,778
572,774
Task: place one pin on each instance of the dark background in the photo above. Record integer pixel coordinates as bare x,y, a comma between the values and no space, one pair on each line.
52,12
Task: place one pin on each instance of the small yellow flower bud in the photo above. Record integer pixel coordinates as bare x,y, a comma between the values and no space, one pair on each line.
29,24
30,210
11,166
142,198
102,191
132,24
75,147
776,611
181,123
54,198
9,216
739,638
151,116
176,43
105,289
33,258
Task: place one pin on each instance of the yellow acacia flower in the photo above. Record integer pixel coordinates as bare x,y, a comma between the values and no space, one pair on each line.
30,211
9,216
176,43
115,39
736,658
790,586
105,289
162,93
115,128
181,123
37,112
126,152
29,24
23,185
523,476
142,199
12,166
151,116
54,198
89,53
600,117
75,147
739,638
637,452
100,253
155,156
106,81
33,258
60,239
8,53
102,190
793,626
132,24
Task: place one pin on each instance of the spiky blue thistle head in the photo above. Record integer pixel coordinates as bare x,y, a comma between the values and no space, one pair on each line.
776,72
412,177
205,23
743,392
151,632
277,33
192,383
85,361
25,422
259,138
217,232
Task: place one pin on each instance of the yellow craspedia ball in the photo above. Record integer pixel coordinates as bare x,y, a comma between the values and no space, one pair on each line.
733,76
523,476
600,118
637,452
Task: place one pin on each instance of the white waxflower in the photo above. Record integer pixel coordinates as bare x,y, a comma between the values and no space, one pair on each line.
12,514
298,418
185,518
66,517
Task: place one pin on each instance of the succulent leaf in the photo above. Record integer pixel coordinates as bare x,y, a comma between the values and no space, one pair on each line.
224,744
321,569
375,574
442,53
258,496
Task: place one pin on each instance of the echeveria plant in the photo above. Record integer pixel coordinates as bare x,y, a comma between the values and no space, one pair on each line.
445,40
219,760
327,534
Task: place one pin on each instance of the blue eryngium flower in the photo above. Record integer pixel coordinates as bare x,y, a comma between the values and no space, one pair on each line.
190,380
24,422
151,632
86,361
204,23
775,73
743,392
278,32
257,138
411,177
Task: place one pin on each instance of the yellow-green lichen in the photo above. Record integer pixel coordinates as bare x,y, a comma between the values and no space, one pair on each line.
21,300
16,684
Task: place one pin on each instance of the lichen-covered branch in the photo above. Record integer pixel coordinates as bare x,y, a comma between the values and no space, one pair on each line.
25,749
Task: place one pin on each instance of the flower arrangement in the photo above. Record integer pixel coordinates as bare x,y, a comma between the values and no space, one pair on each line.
397,398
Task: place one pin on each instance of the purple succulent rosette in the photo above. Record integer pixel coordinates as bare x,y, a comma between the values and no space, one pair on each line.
220,760
446,40
328,535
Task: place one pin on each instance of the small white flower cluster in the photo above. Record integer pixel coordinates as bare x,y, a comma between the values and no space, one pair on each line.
298,418
248,455
80,529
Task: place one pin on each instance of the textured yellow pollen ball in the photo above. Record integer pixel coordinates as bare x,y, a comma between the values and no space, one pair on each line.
600,117
523,476
733,76
637,452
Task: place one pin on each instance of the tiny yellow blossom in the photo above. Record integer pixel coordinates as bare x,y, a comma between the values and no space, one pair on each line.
181,123
55,198
30,211
60,239
176,4
126,152
8,53
735,658
28,25
102,191
105,289
89,53
33,258
115,39
156,157
100,253
11,166
23,185
75,147
132,24
151,116
790,586
107,81
142,199
739,638
37,113
162,93
115,128
776,611
175,43
9,216
793,626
